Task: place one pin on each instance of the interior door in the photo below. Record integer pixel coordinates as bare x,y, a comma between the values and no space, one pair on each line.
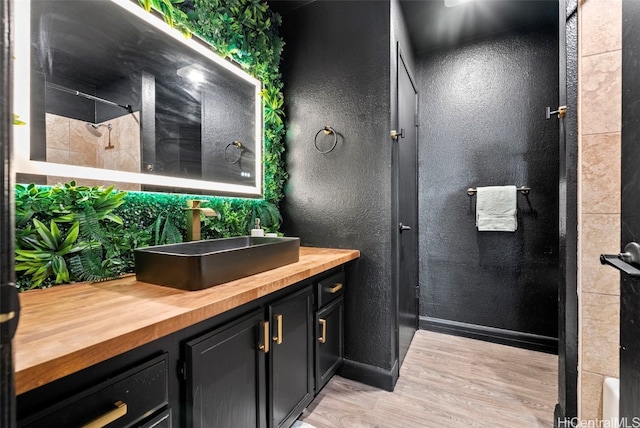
9,307
407,140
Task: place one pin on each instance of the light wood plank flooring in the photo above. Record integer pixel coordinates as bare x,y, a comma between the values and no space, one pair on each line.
448,381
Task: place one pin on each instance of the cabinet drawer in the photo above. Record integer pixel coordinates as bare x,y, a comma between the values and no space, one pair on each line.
330,289
125,400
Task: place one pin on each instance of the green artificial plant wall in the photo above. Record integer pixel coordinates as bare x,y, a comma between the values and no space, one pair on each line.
72,232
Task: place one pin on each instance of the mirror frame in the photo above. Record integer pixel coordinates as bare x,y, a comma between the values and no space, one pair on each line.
22,106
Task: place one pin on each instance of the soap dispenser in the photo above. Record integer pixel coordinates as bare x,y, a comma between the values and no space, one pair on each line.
257,230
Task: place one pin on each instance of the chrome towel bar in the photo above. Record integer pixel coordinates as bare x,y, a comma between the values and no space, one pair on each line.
523,189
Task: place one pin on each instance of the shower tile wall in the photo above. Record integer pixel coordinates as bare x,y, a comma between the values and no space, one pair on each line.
69,141
600,86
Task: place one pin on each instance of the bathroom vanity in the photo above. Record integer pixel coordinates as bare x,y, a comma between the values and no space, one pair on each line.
250,352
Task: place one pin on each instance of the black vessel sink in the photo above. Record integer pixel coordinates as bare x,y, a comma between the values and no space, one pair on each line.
203,264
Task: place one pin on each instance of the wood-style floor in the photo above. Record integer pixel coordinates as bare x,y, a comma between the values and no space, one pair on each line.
448,382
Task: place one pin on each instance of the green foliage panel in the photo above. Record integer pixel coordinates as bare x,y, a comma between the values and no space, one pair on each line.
72,233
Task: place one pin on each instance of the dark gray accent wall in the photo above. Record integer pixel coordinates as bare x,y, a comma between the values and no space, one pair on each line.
630,218
124,91
630,230
65,104
336,72
482,122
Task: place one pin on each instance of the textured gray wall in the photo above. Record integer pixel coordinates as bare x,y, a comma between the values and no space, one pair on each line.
482,123
336,72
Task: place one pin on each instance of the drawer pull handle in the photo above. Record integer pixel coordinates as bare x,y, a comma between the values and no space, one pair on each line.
336,287
109,417
264,347
7,317
278,337
323,332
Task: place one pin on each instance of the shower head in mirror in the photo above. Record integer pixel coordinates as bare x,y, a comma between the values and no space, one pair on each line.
94,129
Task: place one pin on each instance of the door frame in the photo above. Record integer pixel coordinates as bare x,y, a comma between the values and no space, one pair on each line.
567,406
8,293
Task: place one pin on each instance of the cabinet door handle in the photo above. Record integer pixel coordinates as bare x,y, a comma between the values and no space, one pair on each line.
323,332
264,347
336,287
112,415
278,337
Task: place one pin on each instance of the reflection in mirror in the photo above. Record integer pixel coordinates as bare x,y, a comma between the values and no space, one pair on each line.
116,95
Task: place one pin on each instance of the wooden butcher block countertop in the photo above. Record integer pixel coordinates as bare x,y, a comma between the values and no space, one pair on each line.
67,328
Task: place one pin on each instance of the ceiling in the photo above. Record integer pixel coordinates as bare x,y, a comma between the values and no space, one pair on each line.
432,25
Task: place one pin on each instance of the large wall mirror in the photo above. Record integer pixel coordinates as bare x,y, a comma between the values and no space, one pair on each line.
112,94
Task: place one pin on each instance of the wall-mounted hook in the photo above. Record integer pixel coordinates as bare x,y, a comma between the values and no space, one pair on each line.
562,110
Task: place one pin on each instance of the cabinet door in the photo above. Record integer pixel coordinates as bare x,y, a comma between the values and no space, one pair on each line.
291,357
329,341
226,377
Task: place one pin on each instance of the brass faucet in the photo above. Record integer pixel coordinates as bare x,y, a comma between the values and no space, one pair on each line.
193,218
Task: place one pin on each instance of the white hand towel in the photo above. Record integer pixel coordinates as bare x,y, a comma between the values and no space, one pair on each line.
496,209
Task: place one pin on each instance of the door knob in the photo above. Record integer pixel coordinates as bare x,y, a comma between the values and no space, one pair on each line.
404,227
631,253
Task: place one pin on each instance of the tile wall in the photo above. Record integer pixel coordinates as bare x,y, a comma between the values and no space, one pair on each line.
71,142
599,112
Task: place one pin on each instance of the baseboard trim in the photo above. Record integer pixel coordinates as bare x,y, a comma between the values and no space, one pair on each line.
370,375
518,339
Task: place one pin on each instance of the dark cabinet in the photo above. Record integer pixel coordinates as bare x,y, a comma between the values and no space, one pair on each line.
226,376
162,420
291,383
329,341
126,400
258,365
329,327
226,370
